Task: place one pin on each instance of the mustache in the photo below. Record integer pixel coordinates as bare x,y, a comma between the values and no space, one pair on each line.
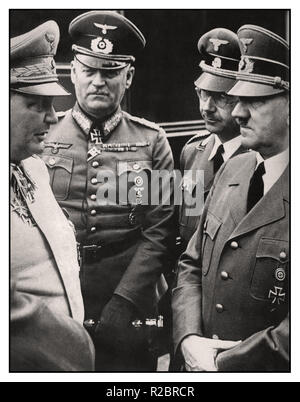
241,122
99,93
209,116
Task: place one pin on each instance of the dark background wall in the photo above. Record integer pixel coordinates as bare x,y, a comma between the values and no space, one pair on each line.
163,88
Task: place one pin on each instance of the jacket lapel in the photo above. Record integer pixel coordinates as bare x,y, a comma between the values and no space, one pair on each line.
209,168
206,165
238,189
52,223
269,209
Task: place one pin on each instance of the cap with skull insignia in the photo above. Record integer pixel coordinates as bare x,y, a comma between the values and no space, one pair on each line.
219,49
264,66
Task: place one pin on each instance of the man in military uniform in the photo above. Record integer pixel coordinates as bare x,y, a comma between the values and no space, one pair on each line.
232,299
98,150
220,54
46,296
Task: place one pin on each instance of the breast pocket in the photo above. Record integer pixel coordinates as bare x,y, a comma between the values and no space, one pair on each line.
134,182
210,230
270,272
60,171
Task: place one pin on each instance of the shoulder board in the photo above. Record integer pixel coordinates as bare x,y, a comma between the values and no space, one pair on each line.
199,137
60,115
143,122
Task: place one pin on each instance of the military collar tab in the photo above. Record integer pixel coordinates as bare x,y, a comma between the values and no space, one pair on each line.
81,119
109,125
86,124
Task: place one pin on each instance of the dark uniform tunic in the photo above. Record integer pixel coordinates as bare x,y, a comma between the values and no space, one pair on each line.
195,156
233,278
132,238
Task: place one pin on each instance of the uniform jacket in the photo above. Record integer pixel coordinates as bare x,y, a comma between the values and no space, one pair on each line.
44,256
134,238
233,277
43,340
194,157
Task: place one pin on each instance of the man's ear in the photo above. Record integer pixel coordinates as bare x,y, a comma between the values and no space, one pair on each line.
129,76
73,71
288,110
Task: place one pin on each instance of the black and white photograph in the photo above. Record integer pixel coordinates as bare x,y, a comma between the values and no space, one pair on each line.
149,193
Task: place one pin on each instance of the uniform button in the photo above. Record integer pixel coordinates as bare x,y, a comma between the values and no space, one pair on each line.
234,245
136,166
282,255
95,164
93,212
93,197
219,308
94,180
93,229
215,337
224,275
52,161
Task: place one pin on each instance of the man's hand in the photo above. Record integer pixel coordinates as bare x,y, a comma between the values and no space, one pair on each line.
200,353
115,329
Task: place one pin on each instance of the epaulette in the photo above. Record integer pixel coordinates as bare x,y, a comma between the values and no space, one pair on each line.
60,115
142,121
199,137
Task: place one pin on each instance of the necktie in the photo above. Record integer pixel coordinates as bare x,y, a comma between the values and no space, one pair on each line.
256,188
218,158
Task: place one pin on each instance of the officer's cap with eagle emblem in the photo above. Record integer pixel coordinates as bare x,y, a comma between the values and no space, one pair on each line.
32,66
105,39
264,65
220,52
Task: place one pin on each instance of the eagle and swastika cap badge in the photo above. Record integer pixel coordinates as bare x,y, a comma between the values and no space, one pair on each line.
264,65
32,65
220,53
105,39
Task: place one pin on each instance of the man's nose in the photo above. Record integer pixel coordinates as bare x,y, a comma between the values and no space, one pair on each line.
240,111
208,105
98,79
51,117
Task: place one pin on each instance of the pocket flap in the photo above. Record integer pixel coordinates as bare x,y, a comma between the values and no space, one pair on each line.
133,166
212,225
54,161
273,248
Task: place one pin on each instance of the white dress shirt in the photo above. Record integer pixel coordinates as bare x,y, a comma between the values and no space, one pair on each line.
230,147
274,168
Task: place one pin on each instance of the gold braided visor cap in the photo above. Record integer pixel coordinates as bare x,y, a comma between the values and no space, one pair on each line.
33,69
264,65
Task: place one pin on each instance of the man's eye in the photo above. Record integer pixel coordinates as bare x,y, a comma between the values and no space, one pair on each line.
111,74
256,102
35,106
88,72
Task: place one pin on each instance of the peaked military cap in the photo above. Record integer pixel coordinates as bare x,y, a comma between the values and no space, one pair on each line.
264,65
220,53
105,39
32,61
